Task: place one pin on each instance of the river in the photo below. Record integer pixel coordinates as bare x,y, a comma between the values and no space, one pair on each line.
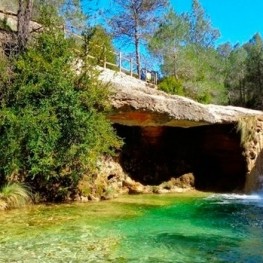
181,228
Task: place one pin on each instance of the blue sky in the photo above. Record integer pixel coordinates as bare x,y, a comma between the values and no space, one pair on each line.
237,20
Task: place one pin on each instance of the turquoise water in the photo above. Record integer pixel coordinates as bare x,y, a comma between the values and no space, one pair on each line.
149,228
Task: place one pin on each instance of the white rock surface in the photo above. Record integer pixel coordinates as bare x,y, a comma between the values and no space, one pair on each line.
136,102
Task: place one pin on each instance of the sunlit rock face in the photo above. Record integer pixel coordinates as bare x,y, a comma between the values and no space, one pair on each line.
168,136
137,103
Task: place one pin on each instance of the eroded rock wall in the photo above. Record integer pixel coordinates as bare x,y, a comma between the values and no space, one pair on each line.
211,154
252,140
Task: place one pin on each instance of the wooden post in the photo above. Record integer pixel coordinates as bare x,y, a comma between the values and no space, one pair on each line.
131,66
120,58
104,57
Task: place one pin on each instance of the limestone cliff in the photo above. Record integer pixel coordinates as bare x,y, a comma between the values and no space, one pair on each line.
158,147
138,103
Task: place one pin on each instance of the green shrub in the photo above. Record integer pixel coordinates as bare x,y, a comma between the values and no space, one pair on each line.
171,85
52,121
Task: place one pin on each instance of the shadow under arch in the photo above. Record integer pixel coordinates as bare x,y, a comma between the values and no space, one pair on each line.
212,153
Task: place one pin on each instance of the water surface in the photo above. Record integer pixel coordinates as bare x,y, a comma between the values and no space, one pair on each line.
147,228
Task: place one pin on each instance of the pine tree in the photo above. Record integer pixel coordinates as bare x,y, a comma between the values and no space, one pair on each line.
135,21
201,32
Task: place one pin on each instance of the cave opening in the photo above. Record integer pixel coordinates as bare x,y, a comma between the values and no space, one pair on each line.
212,154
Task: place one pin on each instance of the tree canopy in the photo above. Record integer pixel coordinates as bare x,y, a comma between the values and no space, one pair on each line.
245,74
186,45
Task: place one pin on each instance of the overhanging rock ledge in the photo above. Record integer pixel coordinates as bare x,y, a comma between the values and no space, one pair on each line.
220,145
136,102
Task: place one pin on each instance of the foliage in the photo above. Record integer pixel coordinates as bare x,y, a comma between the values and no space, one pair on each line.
99,45
235,78
171,85
14,195
5,74
225,50
52,125
201,32
185,44
70,13
254,71
200,72
244,79
171,34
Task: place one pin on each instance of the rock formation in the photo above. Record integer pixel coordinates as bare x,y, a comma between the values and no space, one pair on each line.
168,136
8,31
138,103
10,19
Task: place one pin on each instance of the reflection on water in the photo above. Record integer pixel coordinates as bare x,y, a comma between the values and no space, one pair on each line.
218,228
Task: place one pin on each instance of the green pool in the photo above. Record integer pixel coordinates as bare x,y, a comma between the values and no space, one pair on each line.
146,228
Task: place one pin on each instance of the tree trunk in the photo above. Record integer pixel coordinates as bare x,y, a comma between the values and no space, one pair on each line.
23,23
137,51
241,92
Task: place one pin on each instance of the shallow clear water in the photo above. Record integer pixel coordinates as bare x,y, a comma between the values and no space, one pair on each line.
149,228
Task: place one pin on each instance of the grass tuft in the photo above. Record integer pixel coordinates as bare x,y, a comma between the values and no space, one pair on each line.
14,195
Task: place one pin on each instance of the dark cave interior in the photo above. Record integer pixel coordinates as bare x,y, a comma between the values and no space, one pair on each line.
212,153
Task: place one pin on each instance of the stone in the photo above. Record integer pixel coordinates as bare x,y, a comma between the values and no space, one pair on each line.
84,199
162,191
93,198
136,104
11,20
136,188
252,155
